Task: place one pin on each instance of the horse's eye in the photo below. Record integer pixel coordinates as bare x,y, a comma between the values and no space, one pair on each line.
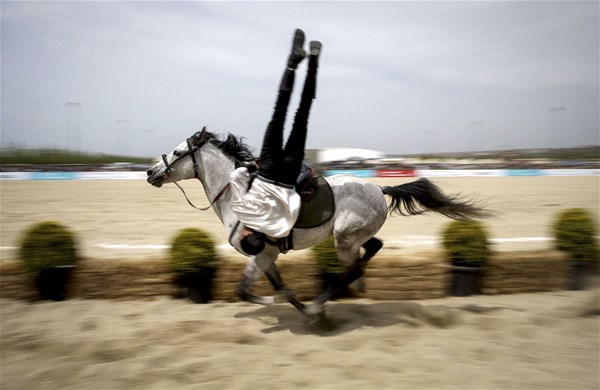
176,153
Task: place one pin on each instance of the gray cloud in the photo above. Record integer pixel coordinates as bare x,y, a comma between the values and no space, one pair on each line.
400,77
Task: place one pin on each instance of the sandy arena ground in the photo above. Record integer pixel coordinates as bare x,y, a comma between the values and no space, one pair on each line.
530,341
131,219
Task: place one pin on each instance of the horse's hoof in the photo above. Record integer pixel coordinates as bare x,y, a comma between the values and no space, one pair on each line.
320,323
248,297
314,314
316,319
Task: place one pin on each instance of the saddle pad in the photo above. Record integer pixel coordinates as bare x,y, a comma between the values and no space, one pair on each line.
320,209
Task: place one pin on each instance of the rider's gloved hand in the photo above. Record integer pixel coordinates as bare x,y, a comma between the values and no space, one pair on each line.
253,243
251,168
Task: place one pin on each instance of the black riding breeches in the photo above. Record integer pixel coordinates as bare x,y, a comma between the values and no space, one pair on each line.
278,163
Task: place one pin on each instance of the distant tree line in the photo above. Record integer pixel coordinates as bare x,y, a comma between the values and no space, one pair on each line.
60,156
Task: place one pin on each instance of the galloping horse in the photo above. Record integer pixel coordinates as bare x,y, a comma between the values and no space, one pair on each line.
360,211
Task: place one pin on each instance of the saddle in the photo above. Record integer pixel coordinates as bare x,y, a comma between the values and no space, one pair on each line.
317,205
317,208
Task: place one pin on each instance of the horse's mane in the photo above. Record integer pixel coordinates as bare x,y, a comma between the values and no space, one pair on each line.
231,146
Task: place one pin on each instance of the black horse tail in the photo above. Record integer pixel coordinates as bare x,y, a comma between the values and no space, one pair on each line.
420,196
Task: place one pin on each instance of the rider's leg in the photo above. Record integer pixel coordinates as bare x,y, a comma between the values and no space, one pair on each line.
294,148
271,155
271,152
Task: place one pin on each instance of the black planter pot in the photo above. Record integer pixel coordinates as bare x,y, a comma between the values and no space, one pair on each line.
51,282
466,280
198,285
581,273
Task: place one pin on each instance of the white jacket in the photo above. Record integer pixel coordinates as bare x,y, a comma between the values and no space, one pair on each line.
267,207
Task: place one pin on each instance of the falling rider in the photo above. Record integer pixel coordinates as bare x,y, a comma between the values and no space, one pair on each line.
269,205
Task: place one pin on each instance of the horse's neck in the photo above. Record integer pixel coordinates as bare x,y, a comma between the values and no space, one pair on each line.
215,168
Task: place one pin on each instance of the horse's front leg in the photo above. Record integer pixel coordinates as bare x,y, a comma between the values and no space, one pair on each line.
277,282
265,262
251,274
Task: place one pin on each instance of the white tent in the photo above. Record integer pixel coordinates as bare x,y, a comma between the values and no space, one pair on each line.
344,154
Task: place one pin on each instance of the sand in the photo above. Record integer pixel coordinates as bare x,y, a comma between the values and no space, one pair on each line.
131,219
528,341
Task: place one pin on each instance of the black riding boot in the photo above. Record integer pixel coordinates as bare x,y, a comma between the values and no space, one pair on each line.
313,64
271,153
294,148
296,56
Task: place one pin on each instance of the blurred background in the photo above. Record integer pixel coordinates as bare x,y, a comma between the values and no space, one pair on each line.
495,100
401,78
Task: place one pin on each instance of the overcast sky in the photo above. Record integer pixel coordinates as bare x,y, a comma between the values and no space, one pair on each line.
397,77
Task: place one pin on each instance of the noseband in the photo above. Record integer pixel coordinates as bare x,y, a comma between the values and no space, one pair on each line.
192,149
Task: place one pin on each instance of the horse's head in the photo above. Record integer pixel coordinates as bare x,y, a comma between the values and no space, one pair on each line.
180,164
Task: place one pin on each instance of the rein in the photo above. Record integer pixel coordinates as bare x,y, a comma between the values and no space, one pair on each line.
221,193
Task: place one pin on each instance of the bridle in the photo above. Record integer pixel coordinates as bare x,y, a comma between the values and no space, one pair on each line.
193,147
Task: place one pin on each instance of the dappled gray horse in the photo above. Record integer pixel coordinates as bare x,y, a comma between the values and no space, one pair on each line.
360,211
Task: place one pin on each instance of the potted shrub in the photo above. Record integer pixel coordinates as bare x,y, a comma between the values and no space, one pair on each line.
467,247
49,252
193,259
330,267
575,232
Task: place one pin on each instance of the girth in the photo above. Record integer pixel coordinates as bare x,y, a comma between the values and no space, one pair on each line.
284,244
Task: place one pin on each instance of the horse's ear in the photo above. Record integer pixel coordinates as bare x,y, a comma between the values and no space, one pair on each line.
201,133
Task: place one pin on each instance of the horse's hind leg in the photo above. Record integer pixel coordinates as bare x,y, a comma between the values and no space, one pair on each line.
354,272
372,246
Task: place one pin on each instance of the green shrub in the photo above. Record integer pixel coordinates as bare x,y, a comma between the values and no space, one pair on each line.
47,244
192,250
466,243
326,256
575,233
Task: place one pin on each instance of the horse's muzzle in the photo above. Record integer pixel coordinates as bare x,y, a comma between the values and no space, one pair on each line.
154,178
